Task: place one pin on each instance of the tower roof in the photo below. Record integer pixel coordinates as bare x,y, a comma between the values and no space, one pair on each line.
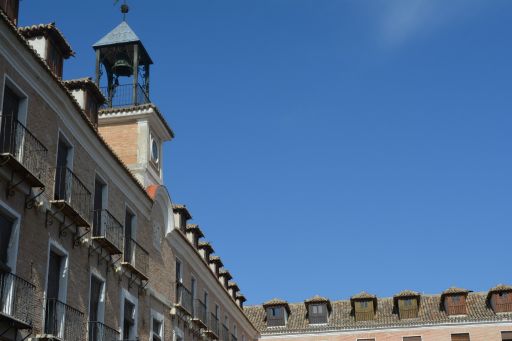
122,34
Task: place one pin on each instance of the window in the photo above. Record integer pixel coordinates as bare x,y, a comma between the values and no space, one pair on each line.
55,292
193,294
6,229
96,308
460,337
157,326
506,336
276,316
365,339
54,58
129,320
217,311
205,298
317,313
412,338
129,221
91,108
179,277
62,175
99,200
10,110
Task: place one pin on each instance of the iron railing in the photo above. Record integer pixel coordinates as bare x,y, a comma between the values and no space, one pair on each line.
123,95
213,324
99,331
18,141
200,311
63,321
233,337
108,227
17,297
184,297
137,256
70,189
225,333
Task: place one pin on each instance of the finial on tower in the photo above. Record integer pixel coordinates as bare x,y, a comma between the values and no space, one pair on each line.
124,8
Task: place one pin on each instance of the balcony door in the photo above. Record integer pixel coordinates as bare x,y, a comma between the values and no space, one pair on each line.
95,310
54,308
129,321
99,196
10,110
62,183
128,230
6,227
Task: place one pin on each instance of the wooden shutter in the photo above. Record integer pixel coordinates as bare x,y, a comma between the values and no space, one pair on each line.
460,337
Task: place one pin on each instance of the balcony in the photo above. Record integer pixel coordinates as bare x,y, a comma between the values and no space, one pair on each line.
17,298
225,333
200,314
213,327
233,337
101,332
62,322
107,231
136,259
183,298
71,197
22,152
125,96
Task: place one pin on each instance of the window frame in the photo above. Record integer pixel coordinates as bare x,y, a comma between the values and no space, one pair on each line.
155,315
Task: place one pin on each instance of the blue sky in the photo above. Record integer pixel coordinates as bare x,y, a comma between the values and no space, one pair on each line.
330,146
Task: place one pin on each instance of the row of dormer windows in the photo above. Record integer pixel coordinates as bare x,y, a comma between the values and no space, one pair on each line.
407,305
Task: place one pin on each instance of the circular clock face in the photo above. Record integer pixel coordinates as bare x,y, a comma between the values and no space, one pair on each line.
154,151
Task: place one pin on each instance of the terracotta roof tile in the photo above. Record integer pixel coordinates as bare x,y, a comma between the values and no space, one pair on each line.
454,291
182,208
195,229
86,84
48,30
386,316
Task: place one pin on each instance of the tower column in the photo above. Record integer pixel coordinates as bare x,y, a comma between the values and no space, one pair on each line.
135,74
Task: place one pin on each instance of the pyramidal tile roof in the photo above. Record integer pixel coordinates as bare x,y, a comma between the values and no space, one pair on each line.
122,34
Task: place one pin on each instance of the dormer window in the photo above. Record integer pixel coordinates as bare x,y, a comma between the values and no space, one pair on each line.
182,215
500,298
318,309
88,96
454,301
51,45
277,312
407,303
364,306
10,7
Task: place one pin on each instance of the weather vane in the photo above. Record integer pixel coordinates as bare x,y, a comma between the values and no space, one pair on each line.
124,8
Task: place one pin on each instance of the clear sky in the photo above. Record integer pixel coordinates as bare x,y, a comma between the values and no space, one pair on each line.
330,146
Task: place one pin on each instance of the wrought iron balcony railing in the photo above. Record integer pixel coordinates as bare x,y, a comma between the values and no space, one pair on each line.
123,95
107,231
19,144
213,324
136,258
233,337
71,192
184,298
101,332
63,321
225,333
17,298
200,311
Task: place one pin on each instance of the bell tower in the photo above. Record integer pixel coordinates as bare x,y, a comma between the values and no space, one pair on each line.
129,122
123,60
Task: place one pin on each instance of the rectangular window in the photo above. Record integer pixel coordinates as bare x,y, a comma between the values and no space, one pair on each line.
193,294
129,320
99,197
54,295
62,175
157,330
6,228
179,277
317,313
205,297
506,336
10,110
217,311
96,309
365,339
460,337
54,58
128,231
412,338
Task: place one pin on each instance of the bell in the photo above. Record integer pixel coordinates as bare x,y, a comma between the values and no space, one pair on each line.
122,68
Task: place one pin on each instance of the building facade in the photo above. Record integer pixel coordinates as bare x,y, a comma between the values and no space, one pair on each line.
93,248
91,245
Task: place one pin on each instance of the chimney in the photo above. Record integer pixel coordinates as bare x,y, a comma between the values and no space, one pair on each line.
181,216
205,250
88,96
240,299
224,277
11,9
193,234
215,265
50,44
233,289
